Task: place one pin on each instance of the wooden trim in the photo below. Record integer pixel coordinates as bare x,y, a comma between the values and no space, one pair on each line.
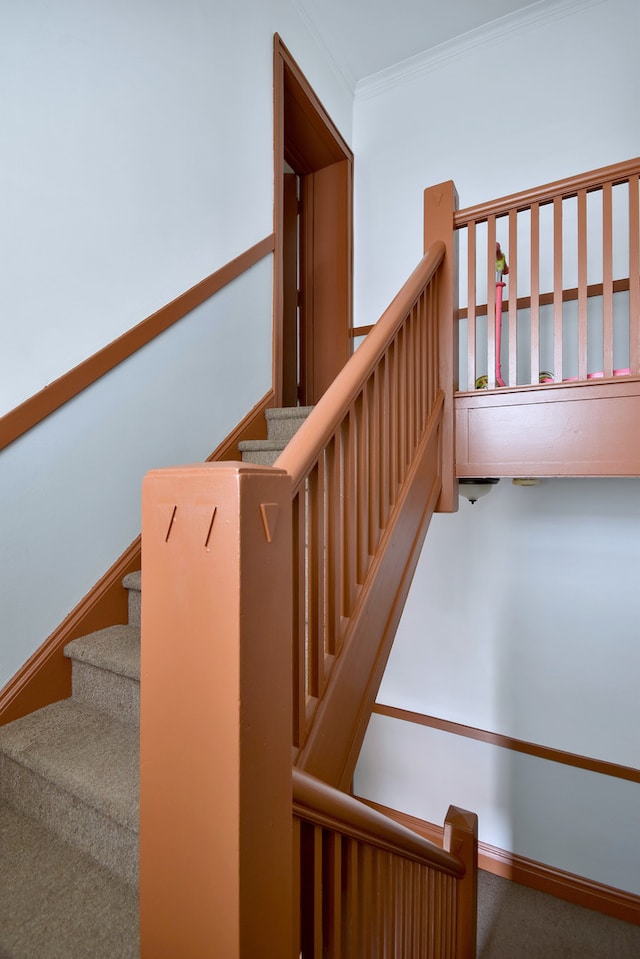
593,180
46,676
614,770
506,432
546,299
535,875
56,394
307,138
315,801
360,330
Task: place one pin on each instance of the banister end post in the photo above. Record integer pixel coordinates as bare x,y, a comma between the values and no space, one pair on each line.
440,204
215,726
461,840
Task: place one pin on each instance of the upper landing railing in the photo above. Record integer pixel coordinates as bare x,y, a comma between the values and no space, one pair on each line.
570,307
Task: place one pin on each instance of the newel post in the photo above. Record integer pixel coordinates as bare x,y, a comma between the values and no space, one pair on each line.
215,736
440,204
461,840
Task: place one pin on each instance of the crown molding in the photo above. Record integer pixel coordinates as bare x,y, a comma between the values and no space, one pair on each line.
344,75
500,30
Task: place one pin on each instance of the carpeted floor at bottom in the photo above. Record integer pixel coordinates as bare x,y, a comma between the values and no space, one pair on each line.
519,923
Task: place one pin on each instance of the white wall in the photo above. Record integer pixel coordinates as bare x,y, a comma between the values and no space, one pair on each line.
137,158
523,615
519,110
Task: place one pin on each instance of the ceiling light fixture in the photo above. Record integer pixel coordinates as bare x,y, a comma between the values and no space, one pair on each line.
474,489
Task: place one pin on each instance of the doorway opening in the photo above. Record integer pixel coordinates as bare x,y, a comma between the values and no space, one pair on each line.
313,240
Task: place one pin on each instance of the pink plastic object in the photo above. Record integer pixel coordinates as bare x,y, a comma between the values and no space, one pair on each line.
501,270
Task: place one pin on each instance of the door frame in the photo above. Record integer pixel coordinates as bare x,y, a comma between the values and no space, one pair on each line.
307,138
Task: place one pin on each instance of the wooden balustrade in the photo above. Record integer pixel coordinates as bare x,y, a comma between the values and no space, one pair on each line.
253,575
571,309
365,886
369,440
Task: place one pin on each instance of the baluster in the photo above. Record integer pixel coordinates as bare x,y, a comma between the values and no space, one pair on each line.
299,631
347,439
557,288
634,276
607,278
333,565
401,406
512,261
491,302
297,886
333,895
373,460
314,580
384,426
394,444
362,485
472,372
534,313
582,284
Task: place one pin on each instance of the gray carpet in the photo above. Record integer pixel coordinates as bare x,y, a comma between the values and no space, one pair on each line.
519,923
60,904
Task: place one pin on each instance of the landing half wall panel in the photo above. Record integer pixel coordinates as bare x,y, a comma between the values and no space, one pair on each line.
581,429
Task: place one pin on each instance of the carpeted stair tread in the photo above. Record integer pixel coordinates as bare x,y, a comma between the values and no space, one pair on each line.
282,423
115,649
133,580
56,902
85,753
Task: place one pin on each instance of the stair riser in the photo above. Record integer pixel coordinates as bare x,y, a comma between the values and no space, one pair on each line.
111,844
283,427
135,604
261,457
117,696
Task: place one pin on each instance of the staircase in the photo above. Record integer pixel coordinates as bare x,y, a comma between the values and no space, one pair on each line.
69,808
69,791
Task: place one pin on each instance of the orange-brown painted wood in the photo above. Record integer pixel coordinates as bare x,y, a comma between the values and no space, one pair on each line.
308,141
335,737
568,187
440,204
578,429
600,766
555,882
46,676
56,394
371,888
461,840
317,802
215,769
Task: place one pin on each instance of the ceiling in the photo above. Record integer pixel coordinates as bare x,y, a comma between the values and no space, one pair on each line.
366,36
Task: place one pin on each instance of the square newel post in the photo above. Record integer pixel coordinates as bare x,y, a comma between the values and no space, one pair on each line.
440,204
461,840
215,728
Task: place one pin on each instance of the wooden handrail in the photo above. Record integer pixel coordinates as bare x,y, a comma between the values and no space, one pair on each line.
302,451
319,803
568,187
35,409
